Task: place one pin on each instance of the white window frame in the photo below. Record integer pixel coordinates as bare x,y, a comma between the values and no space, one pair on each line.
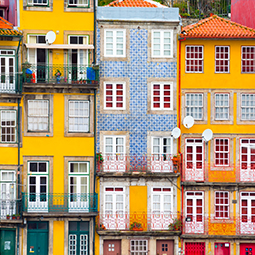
114,95
161,145
161,44
35,3
114,144
221,152
10,126
221,204
249,148
84,4
194,145
249,214
195,107
161,193
137,248
114,43
221,106
194,59
79,117
247,59
249,108
114,194
3,10
161,102
38,116
222,59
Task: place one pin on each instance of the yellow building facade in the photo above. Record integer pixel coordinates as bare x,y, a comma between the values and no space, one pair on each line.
216,77
59,203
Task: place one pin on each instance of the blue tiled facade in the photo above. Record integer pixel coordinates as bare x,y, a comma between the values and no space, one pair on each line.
138,122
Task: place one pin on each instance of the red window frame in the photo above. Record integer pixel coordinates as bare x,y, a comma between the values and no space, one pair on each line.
114,95
194,59
221,204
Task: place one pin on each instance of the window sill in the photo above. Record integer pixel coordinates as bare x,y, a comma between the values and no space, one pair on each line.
79,134
8,144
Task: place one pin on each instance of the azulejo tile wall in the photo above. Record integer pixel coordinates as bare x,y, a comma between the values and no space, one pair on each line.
138,122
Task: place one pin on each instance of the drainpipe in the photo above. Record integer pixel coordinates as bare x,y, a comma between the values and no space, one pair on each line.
94,39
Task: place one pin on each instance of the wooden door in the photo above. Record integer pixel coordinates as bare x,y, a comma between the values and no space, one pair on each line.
165,247
112,247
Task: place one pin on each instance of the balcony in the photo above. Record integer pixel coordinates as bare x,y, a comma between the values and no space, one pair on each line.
59,203
9,210
60,74
10,83
122,163
128,223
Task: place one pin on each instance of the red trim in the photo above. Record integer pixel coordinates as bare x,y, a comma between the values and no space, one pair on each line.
228,151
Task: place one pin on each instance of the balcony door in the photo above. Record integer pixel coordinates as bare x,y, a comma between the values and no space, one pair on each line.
7,71
37,187
78,59
194,218
194,160
247,211
79,196
7,194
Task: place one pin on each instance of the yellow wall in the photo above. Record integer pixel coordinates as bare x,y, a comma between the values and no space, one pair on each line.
58,240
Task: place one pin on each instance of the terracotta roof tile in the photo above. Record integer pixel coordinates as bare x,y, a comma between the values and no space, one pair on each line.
6,28
216,27
135,3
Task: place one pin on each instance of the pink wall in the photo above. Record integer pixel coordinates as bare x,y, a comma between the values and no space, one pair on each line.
242,11
10,7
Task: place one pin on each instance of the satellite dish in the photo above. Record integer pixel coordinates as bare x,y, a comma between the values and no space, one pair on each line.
50,37
188,122
176,133
207,135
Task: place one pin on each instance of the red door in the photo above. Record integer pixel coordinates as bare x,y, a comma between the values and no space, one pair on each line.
247,249
112,247
222,249
165,247
194,248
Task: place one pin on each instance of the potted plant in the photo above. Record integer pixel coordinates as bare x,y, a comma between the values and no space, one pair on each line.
99,158
175,226
18,216
102,227
14,216
7,216
136,226
58,75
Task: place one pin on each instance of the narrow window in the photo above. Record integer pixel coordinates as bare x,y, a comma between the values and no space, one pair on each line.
222,204
222,59
248,106
221,152
8,126
194,59
221,106
194,106
248,59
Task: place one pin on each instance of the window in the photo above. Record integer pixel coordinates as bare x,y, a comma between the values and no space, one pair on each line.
77,3
2,13
162,44
7,193
37,39
115,145
247,209
138,247
248,59
115,43
194,59
78,238
162,148
221,106
161,97
221,204
115,98
221,157
247,157
37,186
78,116
248,106
194,153
37,2
194,106
8,126
78,39
78,186
221,59
38,115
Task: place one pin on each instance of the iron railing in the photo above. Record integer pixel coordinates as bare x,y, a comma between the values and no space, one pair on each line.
165,163
59,202
122,221
9,209
60,74
10,83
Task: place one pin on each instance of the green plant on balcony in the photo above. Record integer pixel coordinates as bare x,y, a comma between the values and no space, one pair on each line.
99,158
58,75
176,225
18,216
136,226
7,216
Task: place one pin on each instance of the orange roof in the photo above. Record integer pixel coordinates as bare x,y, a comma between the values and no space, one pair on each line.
6,28
135,3
216,27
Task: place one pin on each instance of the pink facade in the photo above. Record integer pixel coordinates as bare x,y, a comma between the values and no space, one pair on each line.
9,8
242,11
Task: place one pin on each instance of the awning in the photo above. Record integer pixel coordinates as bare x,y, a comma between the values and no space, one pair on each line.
59,46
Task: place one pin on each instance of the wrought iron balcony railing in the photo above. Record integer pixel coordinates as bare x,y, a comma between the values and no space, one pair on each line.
60,74
9,209
10,83
122,221
156,163
59,202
